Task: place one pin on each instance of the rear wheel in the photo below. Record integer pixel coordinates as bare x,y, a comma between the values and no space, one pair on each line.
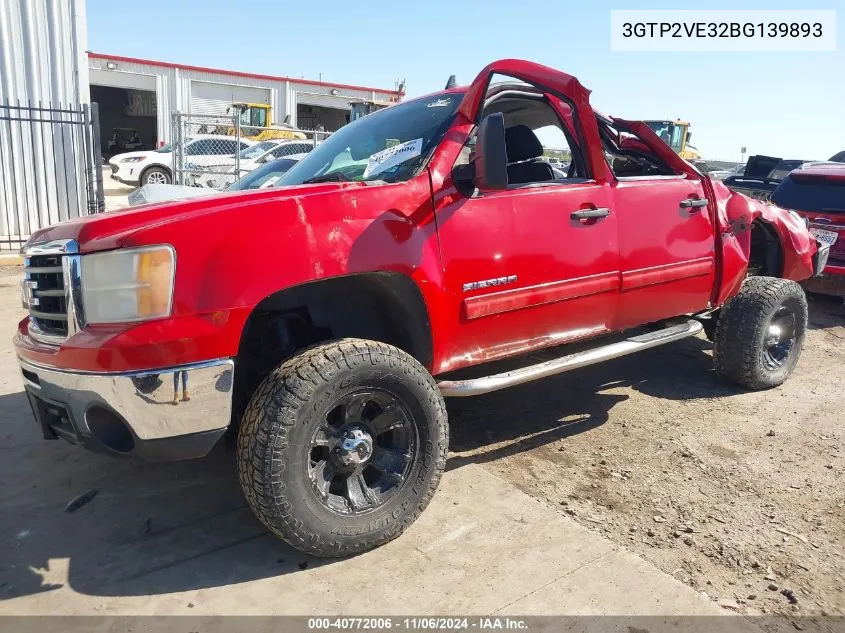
343,446
155,176
760,333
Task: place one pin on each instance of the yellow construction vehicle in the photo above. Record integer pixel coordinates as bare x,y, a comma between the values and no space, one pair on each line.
363,108
255,123
676,135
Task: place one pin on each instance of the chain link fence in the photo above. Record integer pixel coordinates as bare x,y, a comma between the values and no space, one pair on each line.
214,151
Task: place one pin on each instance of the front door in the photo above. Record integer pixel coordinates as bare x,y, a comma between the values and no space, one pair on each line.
536,264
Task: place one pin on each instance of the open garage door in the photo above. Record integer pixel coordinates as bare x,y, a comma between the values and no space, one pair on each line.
213,98
128,111
317,110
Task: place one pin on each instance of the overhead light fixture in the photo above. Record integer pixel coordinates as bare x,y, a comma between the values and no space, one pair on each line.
111,65
335,91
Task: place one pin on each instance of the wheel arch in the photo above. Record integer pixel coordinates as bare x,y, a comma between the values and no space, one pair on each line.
383,306
765,256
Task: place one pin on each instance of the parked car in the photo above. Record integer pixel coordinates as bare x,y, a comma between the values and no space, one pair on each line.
265,176
323,321
721,174
762,174
817,192
154,167
220,173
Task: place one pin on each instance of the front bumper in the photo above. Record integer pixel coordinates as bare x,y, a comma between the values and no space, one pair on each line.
827,279
134,413
128,174
820,258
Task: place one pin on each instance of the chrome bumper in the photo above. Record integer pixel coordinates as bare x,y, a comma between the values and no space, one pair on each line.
820,258
97,410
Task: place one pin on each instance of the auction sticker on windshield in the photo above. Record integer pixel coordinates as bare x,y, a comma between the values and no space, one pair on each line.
392,156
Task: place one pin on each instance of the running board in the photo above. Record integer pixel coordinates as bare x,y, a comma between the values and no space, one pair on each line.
486,384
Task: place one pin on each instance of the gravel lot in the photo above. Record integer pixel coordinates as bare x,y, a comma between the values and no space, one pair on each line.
740,495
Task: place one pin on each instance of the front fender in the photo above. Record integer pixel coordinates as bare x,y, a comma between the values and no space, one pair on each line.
737,213
230,260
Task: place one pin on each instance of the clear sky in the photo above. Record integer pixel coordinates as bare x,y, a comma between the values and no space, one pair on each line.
783,104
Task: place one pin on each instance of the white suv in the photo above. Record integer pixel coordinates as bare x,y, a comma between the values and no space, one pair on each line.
222,172
154,167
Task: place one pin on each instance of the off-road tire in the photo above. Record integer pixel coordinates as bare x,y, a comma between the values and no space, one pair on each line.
145,175
273,445
742,328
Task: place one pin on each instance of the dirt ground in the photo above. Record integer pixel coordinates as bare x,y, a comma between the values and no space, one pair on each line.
739,495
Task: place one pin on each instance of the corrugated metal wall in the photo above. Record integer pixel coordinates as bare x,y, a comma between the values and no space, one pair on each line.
167,87
42,51
42,62
175,89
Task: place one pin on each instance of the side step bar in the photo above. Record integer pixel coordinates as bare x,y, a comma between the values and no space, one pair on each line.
486,384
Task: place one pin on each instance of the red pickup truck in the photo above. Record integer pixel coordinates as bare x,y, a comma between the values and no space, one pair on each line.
324,321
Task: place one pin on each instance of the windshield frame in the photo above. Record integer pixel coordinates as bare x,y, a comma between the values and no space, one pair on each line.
321,163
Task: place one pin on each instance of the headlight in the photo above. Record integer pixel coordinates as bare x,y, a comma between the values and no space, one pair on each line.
132,159
128,285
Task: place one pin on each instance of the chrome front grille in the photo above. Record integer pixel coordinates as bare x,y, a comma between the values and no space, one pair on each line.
44,292
50,290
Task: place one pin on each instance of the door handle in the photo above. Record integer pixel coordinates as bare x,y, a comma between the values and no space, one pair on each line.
693,203
590,214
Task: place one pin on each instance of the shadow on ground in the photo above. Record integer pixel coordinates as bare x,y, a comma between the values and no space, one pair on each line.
825,311
161,528
534,414
151,528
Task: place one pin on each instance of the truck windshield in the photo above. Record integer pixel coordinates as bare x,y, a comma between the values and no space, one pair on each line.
390,145
810,195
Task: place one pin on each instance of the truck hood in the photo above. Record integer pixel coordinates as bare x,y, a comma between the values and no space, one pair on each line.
114,229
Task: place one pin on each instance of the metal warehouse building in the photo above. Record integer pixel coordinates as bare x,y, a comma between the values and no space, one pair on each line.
50,130
139,94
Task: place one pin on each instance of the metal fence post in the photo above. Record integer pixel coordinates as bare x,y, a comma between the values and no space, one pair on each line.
98,156
174,143
238,151
90,185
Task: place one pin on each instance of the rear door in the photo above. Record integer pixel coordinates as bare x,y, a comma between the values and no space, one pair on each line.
666,236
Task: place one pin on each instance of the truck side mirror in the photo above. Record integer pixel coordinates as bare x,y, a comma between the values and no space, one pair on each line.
689,136
490,160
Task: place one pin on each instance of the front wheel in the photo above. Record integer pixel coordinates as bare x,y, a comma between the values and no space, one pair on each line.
760,333
342,447
155,176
